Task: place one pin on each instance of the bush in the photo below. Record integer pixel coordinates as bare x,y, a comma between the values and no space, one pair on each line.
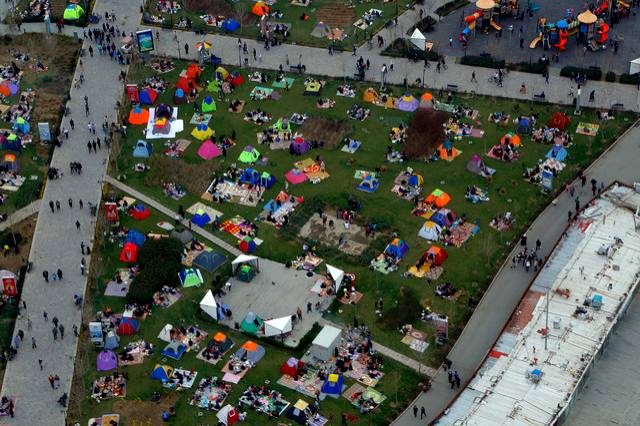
451,6
10,239
401,48
530,67
160,263
406,311
630,79
484,61
610,77
425,25
592,73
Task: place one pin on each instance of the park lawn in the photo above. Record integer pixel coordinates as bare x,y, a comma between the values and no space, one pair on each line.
52,87
300,30
57,10
469,268
399,383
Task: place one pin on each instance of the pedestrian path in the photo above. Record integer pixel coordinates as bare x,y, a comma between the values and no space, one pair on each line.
56,245
20,215
167,211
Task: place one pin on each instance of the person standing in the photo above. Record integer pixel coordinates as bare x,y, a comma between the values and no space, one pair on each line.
61,330
415,411
33,343
186,48
54,330
52,206
45,275
59,272
423,412
83,265
78,225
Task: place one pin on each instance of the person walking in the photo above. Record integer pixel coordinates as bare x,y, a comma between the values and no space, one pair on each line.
57,205
52,206
456,379
61,330
538,245
45,275
423,412
45,316
75,330
54,330
473,77
55,321
59,272
78,225
72,124
415,411
83,265
577,204
186,48
33,343
70,203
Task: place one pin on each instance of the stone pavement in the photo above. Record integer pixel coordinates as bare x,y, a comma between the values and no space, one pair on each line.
56,244
509,285
20,215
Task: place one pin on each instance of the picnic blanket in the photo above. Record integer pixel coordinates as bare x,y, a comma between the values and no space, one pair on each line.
114,289
239,107
199,118
589,129
242,369
233,192
351,146
283,83
213,213
309,384
181,379
361,174
461,233
209,396
135,353
260,93
176,149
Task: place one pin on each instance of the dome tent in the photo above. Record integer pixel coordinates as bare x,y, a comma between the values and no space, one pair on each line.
142,149
251,324
174,350
202,132
209,150
21,126
250,176
260,8
426,101
396,248
208,104
299,146
106,361
138,115
249,155
73,12
247,245
201,218
408,103
430,231
267,180
163,111
179,97
190,277
148,96
128,327
435,255
162,372
129,253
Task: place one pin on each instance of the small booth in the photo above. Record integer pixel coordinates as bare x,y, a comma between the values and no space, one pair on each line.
245,267
325,343
9,283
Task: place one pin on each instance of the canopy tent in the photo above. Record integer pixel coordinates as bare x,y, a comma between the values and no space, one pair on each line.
408,103
558,153
201,218
430,231
278,326
336,275
73,12
418,39
208,104
325,342
174,350
142,149
209,260
138,116
230,25
128,326
162,372
190,277
438,197
183,235
242,260
228,415
252,350
202,132
333,385
209,305
249,155
634,66
396,248
209,150
260,8
106,360
129,253
179,97
148,96
435,255
251,324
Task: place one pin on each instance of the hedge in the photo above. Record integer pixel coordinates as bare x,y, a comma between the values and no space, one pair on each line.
484,61
610,77
630,79
592,73
529,67
401,48
451,6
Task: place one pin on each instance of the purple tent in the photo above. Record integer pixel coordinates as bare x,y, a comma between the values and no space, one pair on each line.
299,146
106,361
408,103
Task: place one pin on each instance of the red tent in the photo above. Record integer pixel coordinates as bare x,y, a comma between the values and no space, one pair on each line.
193,72
559,120
291,367
128,327
435,255
185,84
129,253
139,212
237,80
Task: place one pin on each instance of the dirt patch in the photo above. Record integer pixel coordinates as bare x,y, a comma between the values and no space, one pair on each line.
355,241
425,133
194,177
26,228
331,132
144,412
337,15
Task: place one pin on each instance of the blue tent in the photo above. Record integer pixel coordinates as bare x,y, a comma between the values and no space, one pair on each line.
10,144
397,248
174,350
558,152
524,126
251,176
230,25
21,126
369,184
135,237
267,180
147,96
333,385
162,372
201,218
142,149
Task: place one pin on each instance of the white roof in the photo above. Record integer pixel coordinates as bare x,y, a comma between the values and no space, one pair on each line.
209,305
243,258
165,333
336,275
277,326
634,66
508,396
418,39
327,336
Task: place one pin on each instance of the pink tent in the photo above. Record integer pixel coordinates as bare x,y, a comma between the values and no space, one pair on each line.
295,176
209,150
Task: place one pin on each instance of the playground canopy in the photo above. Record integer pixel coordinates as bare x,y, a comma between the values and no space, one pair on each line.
278,326
106,361
336,275
634,66
418,39
209,305
190,277
244,259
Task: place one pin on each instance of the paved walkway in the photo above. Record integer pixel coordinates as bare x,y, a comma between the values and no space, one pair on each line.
167,211
20,215
56,244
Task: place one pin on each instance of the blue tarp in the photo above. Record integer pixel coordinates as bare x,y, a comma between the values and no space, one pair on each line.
135,237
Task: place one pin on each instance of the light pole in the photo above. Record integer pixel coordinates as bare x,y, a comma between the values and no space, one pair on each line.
424,69
578,93
240,55
175,37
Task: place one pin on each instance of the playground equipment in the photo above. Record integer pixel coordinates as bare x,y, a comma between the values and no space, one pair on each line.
483,17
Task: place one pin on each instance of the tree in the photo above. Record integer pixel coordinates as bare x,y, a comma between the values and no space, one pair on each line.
160,263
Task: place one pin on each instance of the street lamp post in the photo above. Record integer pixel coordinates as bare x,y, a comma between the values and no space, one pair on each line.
239,55
424,69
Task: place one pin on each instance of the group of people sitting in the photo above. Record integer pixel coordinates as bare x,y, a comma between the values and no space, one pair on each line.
257,117
359,113
253,395
546,135
446,290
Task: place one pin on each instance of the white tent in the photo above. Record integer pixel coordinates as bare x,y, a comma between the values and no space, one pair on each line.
277,326
336,274
165,333
634,66
223,414
209,305
430,231
242,259
418,39
325,342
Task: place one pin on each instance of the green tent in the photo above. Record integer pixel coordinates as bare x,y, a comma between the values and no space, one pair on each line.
208,104
251,324
213,86
249,155
73,12
282,125
190,277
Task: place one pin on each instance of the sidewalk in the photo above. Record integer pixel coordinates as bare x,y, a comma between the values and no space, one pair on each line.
20,215
56,244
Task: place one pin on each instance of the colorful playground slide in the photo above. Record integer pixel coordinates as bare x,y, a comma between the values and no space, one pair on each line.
603,33
495,25
535,42
471,23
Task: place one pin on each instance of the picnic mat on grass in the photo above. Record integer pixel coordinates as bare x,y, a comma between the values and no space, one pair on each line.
231,378
116,290
588,129
353,298
351,148
213,213
199,118
282,83
227,370
210,361
361,174
239,108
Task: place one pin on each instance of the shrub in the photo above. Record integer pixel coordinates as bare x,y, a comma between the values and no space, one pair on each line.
484,61
406,311
592,73
451,6
425,25
401,48
610,77
530,67
630,78
160,263
10,239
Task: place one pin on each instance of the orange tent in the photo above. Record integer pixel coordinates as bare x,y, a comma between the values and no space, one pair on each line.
435,255
193,72
439,198
370,95
250,346
448,153
260,8
511,139
138,115
219,337
4,90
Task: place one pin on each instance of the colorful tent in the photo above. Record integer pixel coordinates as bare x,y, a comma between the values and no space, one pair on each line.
267,180
230,25
8,88
222,74
559,120
228,415
250,176
333,385
174,350
447,152
127,327
396,248
179,97
369,184
193,70
443,217
295,176
251,324
415,180
282,125
237,80
185,84
477,166
299,146
10,163
511,139
558,153
202,132
249,155
426,100
208,104
9,283
260,8
408,103
129,253
435,255
142,149
190,277
209,150
247,245
148,96
290,366
253,352
138,116
438,197
430,231
135,237
21,126
201,218
73,12
162,372
106,361
139,212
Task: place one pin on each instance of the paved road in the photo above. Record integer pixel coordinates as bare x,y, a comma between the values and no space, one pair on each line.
56,244
20,215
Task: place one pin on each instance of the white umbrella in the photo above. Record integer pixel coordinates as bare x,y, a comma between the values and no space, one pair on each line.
336,275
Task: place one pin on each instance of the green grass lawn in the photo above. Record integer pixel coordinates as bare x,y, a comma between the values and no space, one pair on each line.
300,30
399,384
470,268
